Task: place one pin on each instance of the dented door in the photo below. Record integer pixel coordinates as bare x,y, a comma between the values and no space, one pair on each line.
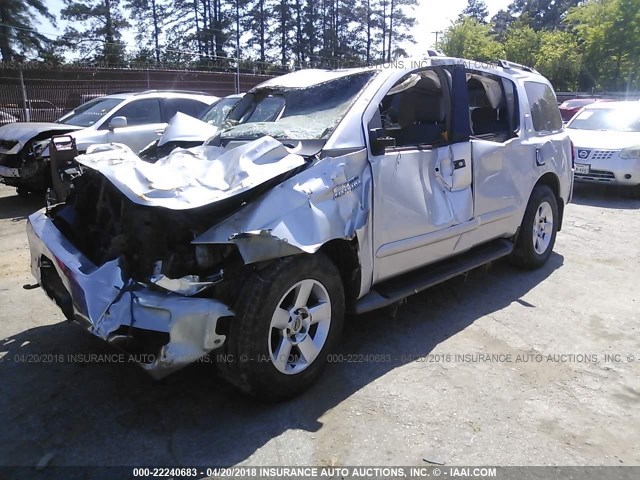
423,195
418,196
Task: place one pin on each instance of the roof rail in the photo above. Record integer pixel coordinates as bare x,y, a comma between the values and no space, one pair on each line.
195,92
516,66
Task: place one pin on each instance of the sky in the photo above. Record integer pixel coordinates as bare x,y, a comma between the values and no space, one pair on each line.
431,16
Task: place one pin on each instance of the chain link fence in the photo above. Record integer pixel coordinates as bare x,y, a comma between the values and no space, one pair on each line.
44,94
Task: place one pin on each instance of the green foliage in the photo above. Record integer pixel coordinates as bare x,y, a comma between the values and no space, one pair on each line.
468,38
608,32
541,14
476,9
521,43
577,45
100,39
558,59
18,29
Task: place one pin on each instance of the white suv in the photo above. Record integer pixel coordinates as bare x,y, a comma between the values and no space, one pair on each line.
325,192
134,119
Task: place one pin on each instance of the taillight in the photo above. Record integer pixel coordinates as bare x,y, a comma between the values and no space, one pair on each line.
573,156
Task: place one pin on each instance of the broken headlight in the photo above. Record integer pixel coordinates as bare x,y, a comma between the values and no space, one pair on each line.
188,285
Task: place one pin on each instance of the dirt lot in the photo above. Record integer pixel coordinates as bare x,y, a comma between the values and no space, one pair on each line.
451,406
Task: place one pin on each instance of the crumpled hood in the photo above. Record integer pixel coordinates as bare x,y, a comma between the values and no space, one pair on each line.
185,128
191,178
22,132
603,140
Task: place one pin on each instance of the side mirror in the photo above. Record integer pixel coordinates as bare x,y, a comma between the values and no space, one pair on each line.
380,140
117,122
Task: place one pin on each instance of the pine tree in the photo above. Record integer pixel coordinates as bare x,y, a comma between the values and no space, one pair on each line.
151,17
101,39
18,27
476,9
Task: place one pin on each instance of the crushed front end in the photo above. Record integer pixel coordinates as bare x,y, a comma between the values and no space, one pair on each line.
118,255
130,276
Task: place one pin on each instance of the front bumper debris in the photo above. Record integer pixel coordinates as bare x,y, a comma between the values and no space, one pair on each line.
111,306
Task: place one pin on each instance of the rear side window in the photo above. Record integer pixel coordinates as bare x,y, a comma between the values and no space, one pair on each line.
183,105
544,107
140,112
493,108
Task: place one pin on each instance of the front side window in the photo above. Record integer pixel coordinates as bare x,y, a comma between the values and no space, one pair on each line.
89,113
544,107
415,110
141,112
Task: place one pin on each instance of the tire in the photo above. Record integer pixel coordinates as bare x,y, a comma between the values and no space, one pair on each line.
266,351
540,221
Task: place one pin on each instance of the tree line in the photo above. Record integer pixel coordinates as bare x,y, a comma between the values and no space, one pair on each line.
577,44
266,34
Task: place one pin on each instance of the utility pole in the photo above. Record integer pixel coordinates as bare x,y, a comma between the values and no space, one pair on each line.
437,32
26,110
237,46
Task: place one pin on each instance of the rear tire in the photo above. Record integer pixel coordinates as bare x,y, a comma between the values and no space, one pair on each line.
537,234
288,318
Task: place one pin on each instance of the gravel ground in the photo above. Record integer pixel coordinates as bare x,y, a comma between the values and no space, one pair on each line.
550,395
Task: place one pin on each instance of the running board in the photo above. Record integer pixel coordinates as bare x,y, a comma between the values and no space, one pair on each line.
397,288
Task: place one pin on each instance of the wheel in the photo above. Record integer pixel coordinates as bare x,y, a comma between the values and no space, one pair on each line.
537,233
288,318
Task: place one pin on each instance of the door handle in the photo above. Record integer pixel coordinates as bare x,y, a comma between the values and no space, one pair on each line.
539,160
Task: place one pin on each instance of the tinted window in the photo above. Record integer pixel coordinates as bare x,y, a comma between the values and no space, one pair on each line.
184,105
544,107
141,112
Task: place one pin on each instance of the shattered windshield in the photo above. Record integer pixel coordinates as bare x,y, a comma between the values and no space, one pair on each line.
309,112
89,113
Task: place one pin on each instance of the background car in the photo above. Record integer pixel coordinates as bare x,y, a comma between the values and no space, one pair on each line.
39,110
607,141
186,132
569,108
6,118
134,119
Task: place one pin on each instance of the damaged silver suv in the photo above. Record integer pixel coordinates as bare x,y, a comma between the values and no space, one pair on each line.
326,192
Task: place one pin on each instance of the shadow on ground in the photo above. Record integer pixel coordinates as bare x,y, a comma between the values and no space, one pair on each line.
19,208
114,414
606,196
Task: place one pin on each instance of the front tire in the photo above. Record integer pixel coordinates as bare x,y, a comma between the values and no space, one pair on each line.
288,318
537,234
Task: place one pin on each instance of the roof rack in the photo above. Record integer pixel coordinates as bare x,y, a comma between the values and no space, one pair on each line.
195,92
516,66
